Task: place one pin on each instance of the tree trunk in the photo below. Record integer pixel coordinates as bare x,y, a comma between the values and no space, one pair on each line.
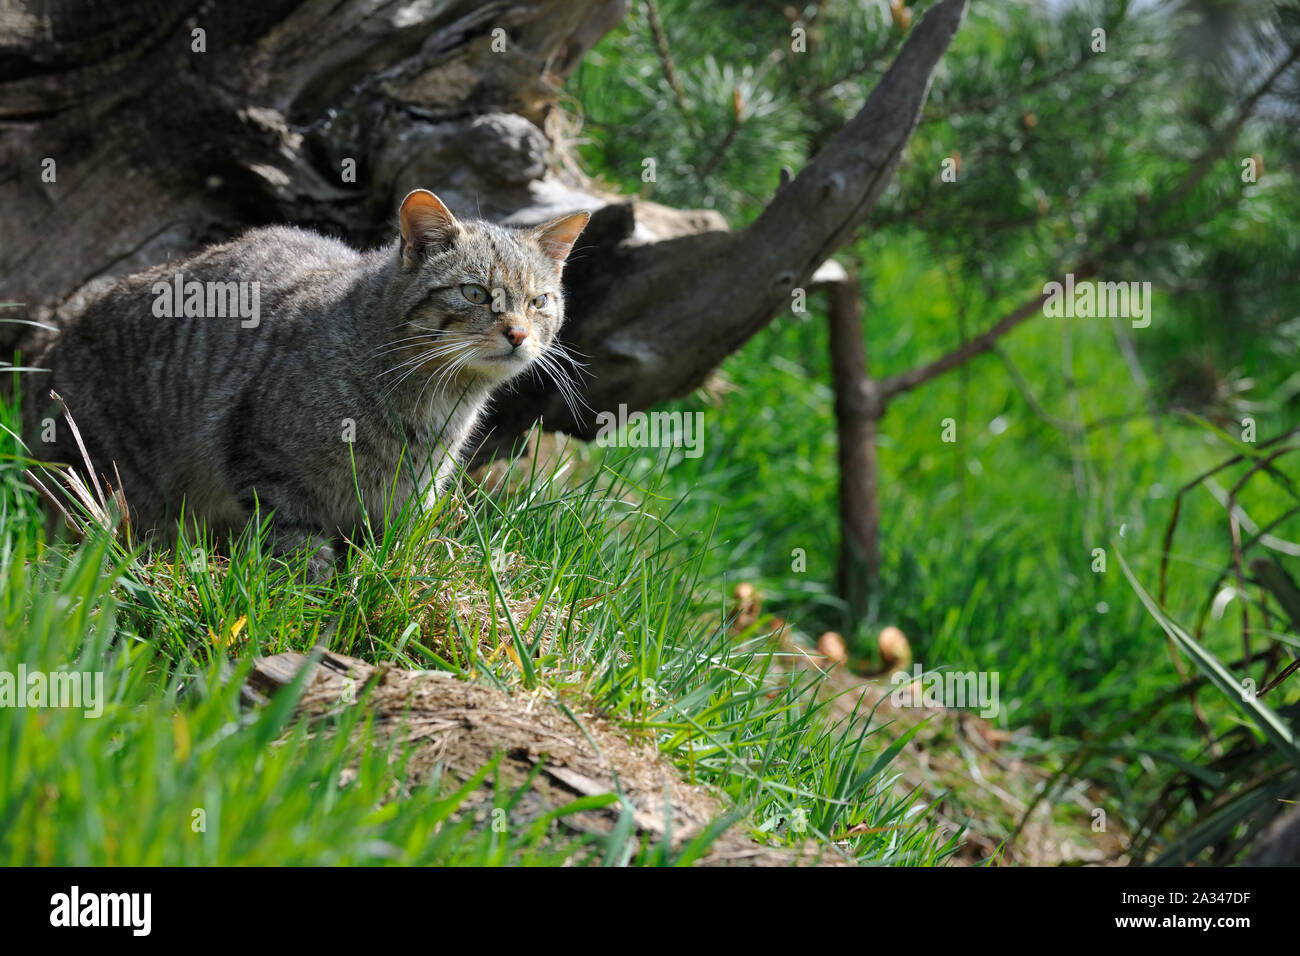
136,132
858,409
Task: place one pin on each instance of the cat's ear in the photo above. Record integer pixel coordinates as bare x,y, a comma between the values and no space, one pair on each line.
558,236
425,223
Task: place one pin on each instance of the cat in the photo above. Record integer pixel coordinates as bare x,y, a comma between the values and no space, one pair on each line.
285,371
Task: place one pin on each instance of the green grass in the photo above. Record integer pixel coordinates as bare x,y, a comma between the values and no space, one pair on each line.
616,566
606,615
988,543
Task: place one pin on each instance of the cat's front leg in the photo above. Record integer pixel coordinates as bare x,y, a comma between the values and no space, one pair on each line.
290,539
292,531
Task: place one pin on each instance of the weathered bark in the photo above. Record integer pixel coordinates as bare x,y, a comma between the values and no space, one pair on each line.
160,149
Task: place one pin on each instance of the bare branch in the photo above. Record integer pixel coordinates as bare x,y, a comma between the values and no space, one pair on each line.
984,342
1224,140
666,57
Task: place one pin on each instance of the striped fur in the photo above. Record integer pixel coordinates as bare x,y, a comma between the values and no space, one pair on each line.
379,358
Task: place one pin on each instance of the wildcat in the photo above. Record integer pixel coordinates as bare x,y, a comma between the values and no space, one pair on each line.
385,359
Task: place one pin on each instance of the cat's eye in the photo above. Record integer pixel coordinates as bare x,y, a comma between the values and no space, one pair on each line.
474,293
540,301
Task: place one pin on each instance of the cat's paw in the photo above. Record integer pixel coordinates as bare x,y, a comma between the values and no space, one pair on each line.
321,565
321,561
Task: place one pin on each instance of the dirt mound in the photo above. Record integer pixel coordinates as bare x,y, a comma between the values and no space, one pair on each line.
459,727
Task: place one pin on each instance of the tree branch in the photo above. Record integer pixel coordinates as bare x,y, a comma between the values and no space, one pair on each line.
1224,140
656,320
984,342
905,381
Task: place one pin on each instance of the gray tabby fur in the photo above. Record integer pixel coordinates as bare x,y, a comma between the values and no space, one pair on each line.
211,415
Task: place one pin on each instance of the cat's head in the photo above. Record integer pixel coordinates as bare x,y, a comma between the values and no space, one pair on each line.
476,298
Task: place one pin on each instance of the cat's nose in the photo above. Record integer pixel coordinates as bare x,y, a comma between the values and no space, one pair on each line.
516,334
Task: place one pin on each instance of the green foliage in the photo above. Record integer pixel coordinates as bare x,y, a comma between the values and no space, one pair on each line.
1249,771
1074,434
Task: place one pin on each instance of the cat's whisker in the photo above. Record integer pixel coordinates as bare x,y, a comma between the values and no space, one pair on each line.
398,343
572,400
459,353
448,374
414,367
403,348
564,352
558,355
442,350
547,362
574,396
417,360
408,368
444,377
